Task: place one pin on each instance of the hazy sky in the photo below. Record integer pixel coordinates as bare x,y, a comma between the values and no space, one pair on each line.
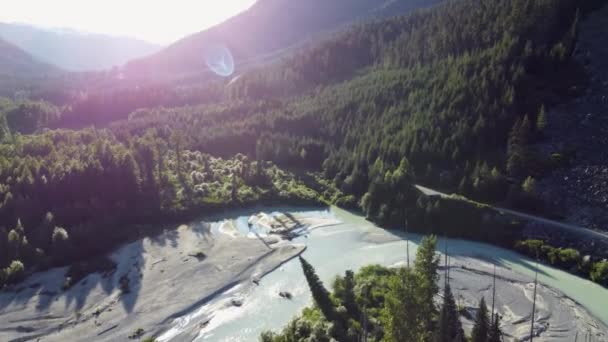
159,21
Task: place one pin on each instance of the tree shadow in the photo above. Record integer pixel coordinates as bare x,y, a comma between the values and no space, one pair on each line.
44,285
129,272
167,235
478,250
129,261
202,230
43,293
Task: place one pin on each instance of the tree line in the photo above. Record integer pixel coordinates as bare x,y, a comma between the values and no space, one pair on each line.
72,195
384,304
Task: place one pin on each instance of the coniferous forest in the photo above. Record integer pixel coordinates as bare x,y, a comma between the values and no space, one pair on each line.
449,97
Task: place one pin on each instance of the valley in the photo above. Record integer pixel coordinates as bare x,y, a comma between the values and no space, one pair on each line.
263,179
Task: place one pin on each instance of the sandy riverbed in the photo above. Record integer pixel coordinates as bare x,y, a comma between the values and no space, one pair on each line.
557,317
166,280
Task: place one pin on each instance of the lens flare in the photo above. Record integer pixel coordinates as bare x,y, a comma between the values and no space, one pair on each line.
220,60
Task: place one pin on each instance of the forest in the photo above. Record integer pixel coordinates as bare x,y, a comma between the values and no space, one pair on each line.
450,97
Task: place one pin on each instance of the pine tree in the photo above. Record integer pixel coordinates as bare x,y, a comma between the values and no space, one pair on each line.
516,149
319,293
541,119
450,327
495,334
402,321
482,325
344,291
234,189
426,266
529,186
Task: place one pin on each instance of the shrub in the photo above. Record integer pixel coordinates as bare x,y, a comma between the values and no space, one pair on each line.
530,247
569,257
14,272
599,272
139,332
348,201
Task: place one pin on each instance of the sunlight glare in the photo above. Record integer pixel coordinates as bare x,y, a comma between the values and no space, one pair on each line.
155,21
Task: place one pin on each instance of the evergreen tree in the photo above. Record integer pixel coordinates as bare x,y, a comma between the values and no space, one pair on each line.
516,147
234,188
60,244
450,327
319,293
541,120
401,318
529,186
177,141
344,291
426,266
482,326
495,334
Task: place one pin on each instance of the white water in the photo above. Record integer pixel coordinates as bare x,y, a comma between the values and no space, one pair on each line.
332,250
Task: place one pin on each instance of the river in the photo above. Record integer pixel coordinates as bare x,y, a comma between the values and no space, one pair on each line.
334,249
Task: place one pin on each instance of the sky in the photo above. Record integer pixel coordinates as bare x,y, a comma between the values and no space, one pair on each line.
157,21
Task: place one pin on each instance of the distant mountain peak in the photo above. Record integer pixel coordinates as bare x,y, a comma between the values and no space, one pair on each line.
73,49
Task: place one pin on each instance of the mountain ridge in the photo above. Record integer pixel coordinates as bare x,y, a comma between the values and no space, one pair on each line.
241,33
17,63
74,50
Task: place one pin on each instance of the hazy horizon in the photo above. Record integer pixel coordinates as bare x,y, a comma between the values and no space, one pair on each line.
136,18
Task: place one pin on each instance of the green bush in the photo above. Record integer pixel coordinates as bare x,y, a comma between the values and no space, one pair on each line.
569,257
14,272
530,247
349,202
599,272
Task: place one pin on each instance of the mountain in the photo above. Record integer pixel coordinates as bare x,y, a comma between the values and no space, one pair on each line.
15,62
19,70
268,27
73,50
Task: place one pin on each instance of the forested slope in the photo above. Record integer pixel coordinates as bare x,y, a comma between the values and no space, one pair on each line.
18,69
269,26
455,90
449,96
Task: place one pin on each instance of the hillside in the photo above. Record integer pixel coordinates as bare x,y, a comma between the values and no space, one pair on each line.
15,62
577,133
73,50
266,28
18,69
